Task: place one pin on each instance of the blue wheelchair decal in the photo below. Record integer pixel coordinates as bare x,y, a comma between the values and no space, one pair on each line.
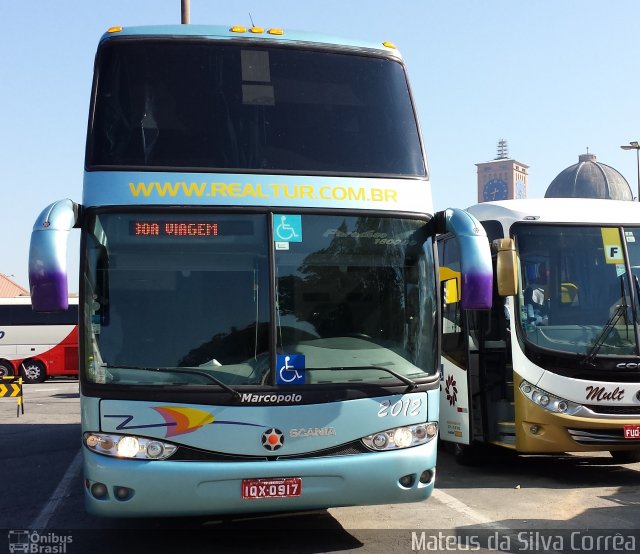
287,228
290,369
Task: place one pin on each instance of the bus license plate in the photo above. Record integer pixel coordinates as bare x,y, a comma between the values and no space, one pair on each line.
286,487
632,431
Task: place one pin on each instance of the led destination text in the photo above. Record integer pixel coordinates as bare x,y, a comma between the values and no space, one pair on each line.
176,229
195,228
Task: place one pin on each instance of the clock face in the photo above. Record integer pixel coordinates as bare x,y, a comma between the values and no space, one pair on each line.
496,189
520,190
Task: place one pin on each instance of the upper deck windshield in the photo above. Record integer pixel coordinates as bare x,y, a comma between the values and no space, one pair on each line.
209,105
579,288
204,298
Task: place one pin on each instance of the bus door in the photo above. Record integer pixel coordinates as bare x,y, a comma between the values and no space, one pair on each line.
476,393
493,389
459,360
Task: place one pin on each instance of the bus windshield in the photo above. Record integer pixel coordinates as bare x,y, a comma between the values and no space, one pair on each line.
579,288
211,105
208,298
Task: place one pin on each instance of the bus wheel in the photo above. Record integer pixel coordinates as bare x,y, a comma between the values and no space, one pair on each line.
33,371
625,456
468,454
6,369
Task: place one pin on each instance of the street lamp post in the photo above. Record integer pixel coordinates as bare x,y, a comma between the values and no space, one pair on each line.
635,146
185,12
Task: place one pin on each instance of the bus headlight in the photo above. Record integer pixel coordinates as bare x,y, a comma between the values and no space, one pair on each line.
128,446
548,401
401,437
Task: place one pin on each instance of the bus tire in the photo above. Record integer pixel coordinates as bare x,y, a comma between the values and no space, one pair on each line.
6,369
625,456
468,454
33,371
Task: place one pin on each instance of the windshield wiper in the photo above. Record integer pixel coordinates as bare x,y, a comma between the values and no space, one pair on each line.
604,334
410,383
190,371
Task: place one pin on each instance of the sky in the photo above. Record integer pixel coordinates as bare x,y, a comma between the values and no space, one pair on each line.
551,77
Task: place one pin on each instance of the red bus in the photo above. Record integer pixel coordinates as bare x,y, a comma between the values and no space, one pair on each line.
37,345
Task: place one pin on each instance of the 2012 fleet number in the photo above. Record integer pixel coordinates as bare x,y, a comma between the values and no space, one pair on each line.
404,406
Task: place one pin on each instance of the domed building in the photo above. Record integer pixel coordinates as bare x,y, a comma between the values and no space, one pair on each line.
590,179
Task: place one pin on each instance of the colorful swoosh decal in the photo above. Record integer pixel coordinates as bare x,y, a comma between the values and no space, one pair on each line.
178,420
183,420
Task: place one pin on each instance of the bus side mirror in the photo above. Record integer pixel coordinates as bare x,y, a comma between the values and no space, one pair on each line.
48,256
476,272
506,267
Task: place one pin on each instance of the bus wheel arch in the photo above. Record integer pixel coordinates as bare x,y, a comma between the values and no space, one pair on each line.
33,371
6,368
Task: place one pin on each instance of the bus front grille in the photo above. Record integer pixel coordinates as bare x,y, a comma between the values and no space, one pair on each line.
599,436
188,454
615,410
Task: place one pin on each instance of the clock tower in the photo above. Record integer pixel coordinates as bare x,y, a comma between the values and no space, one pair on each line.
503,178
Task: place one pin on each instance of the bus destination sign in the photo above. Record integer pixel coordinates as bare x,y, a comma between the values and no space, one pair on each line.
196,228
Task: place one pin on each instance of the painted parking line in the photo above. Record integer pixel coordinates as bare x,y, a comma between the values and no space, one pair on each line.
460,507
480,519
58,495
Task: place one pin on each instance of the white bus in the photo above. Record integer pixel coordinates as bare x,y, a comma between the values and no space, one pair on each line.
554,366
37,345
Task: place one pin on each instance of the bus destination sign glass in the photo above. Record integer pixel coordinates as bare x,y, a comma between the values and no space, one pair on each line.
196,228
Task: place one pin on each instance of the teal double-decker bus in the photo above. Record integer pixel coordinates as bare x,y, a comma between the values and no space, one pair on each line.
259,302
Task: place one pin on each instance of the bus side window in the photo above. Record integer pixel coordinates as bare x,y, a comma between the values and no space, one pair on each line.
454,336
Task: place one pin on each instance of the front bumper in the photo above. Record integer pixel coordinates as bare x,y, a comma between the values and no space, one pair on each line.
180,488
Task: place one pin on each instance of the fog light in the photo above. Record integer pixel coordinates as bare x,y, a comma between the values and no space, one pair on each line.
426,476
534,429
99,490
407,481
123,493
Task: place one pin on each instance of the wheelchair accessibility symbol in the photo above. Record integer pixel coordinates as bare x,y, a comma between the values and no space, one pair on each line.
287,228
290,369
